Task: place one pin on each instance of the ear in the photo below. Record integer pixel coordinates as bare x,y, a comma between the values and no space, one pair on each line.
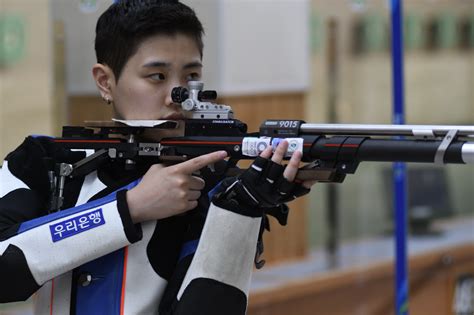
104,79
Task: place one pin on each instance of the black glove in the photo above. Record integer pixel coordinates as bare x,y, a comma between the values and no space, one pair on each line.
262,186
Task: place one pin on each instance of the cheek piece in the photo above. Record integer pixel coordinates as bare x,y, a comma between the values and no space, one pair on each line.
259,191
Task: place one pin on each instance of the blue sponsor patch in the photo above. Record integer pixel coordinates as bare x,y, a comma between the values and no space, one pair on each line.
76,225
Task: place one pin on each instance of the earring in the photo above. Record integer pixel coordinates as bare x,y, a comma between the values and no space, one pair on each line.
107,100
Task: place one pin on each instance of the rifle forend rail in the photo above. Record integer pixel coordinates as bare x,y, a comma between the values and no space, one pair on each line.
422,131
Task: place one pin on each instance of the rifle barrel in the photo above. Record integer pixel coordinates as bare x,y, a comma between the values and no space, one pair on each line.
386,130
401,150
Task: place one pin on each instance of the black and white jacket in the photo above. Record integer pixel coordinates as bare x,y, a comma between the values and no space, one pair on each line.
91,259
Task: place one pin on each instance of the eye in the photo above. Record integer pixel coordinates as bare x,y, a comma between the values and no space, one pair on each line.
195,76
157,76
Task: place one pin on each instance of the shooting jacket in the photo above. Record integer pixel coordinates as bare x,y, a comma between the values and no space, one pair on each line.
89,258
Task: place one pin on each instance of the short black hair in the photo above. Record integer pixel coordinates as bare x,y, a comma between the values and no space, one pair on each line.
127,23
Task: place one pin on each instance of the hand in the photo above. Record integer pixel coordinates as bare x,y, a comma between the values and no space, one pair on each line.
168,191
266,184
292,168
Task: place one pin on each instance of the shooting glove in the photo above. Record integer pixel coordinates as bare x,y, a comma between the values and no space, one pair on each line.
259,188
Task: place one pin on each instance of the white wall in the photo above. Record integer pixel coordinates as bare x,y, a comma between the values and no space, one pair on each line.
259,46
79,28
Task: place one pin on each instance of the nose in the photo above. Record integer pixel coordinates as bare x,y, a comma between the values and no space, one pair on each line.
168,100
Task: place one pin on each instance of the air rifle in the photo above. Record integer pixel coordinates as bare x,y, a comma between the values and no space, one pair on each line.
330,150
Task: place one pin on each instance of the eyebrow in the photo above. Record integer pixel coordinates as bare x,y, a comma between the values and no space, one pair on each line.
157,64
195,64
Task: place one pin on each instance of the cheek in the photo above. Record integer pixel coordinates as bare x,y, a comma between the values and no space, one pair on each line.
149,96
131,93
140,101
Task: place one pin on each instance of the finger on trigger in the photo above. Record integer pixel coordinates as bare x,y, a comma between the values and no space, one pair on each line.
292,168
280,151
199,162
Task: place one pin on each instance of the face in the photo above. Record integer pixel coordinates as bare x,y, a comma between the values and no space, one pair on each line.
161,63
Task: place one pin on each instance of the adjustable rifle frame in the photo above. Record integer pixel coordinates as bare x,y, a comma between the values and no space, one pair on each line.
330,150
